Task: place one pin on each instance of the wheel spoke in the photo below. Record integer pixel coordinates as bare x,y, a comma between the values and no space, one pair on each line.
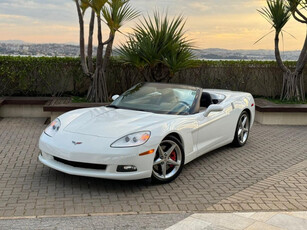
239,132
245,130
170,150
244,122
245,137
164,170
242,136
172,162
158,161
161,152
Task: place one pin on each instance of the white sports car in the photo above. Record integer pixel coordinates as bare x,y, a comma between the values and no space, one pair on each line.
150,131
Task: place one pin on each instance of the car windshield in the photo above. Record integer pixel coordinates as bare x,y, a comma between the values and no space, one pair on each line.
158,98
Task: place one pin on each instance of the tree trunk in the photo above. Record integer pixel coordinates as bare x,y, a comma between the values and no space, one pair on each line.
293,87
293,82
277,55
107,56
98,90
145,72
108,51
82,49
90,43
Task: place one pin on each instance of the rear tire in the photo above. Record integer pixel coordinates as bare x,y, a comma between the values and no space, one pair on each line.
242,130
168,161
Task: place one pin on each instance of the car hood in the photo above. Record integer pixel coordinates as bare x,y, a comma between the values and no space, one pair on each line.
113,123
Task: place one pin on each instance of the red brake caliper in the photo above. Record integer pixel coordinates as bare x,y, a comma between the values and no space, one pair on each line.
173,157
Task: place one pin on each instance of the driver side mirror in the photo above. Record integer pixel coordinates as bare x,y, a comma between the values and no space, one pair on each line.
213,108
114,97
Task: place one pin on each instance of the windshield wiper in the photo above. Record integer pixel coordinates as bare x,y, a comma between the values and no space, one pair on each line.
142,110
117,107
113,106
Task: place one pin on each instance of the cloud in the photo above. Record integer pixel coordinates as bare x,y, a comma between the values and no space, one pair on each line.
47,10
210,23
199,6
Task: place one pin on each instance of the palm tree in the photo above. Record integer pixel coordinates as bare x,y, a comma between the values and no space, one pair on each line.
115,13
87,67
158,48
278,13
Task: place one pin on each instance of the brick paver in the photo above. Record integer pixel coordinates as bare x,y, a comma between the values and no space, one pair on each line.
269,173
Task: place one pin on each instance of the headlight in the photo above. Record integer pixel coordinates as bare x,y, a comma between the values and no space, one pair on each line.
53,127
132,140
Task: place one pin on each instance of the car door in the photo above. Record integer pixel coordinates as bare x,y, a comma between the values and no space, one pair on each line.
215,129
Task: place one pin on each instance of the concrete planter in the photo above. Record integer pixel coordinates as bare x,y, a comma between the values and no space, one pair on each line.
39,107
269,113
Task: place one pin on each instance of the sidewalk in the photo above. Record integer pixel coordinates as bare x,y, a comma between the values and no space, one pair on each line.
244,221
127,221
161,221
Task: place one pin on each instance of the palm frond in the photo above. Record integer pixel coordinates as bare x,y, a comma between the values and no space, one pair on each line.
263,37
84,5
290,34
97,5
117,12
277,13
158,41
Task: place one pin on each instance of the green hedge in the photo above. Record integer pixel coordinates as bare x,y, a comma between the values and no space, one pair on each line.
261,78
44,76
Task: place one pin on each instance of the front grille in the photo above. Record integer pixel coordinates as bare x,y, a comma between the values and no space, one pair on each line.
80,164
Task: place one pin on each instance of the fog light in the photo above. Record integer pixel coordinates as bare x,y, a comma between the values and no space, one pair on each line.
126,168
47,156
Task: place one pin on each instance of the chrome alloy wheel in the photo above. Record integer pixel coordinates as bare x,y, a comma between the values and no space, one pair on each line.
243,128
168,159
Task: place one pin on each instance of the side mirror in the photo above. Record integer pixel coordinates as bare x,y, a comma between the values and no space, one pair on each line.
213,108
114,97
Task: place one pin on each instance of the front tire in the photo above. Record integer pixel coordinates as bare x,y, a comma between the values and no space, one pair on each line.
242,130
168,161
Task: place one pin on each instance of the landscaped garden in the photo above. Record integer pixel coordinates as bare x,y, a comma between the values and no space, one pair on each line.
44,76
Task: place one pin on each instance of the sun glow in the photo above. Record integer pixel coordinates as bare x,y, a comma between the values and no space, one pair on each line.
210,24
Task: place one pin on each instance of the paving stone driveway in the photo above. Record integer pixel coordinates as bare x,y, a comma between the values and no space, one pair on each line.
269,173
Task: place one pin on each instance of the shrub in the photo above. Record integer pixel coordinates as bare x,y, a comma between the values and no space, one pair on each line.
31,76
44,76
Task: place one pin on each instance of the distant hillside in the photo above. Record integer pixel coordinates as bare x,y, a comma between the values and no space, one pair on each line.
218,54
49,50
12,41
16,47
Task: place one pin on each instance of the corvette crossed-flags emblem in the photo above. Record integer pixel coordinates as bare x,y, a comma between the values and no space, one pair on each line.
76,143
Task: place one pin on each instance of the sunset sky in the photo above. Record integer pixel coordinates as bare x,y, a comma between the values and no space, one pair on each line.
234,24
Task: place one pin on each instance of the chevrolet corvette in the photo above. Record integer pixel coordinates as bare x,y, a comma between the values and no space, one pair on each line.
150,131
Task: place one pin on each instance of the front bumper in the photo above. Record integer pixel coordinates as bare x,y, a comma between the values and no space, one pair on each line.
94,150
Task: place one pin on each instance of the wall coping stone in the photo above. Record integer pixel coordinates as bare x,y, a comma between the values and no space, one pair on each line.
263,105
